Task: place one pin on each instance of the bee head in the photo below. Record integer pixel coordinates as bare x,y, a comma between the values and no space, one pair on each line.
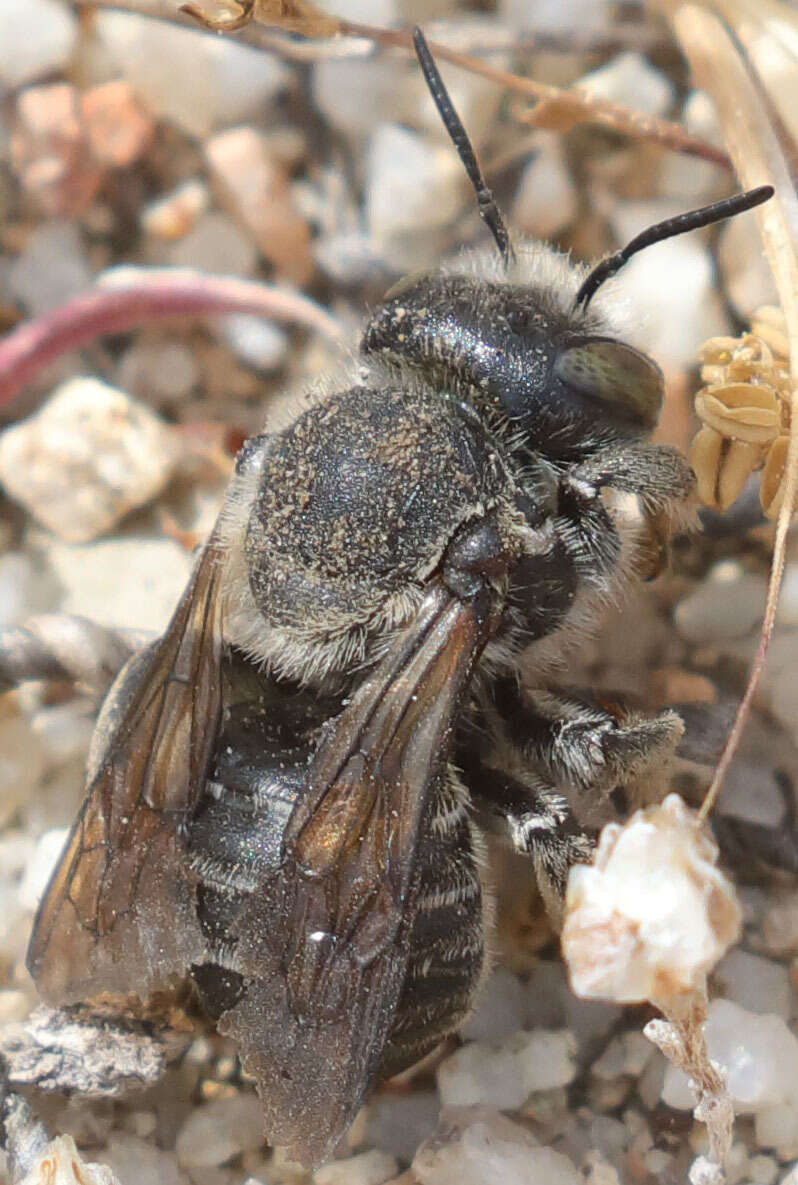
525,344
522,353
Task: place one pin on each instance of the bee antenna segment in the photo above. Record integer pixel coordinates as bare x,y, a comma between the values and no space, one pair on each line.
692,220
488,209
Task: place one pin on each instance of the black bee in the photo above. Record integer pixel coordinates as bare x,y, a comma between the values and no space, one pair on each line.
282,790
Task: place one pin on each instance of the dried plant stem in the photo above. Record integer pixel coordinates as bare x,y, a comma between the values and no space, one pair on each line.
62,646
580,106
153,294
681,1038
759,158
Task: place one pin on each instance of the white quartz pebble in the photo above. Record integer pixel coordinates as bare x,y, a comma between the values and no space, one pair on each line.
198,82
367,1168
482,1148
758,1053
219,1130
36,38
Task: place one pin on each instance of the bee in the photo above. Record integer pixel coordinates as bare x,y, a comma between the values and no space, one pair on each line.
287,792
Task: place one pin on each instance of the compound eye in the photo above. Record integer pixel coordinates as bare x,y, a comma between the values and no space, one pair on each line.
614,373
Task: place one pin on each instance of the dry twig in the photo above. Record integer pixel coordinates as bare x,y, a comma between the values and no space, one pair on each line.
681,1038
553,104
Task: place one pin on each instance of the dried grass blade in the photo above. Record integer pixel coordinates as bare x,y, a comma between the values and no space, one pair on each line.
760,148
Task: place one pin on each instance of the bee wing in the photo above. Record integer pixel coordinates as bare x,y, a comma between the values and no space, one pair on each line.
119,909
325,972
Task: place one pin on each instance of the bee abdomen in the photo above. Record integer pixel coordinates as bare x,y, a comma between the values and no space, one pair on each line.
235,840
446,941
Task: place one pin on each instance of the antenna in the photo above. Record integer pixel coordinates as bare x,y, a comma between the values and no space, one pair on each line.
489,212
693,220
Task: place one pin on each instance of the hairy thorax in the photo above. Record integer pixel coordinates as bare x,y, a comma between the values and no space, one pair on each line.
344,515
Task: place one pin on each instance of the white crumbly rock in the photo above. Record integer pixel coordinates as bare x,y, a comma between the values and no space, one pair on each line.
628,1054
546,200
413,188
631,934
758,984
556,16
60,1164
215,244
26,587
256,342
481,1074
53,268
356,94
140,1162
132,581
546,1059
159,372
704,1171
725,607
22,760
87,458
399,1123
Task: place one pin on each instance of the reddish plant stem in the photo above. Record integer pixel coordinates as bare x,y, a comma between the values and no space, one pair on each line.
152,296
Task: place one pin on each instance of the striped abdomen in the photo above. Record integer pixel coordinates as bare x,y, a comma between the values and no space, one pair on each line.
234,842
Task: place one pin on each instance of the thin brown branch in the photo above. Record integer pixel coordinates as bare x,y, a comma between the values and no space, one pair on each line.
152,295
581,106
473,40
759,157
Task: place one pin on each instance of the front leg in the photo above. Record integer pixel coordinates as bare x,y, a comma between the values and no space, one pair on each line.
660,481
656,474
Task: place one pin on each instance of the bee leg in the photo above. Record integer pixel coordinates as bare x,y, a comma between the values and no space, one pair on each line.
538,822
657,474
663,484
583,745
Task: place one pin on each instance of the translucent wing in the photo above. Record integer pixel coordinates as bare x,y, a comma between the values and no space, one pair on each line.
119,913
324,942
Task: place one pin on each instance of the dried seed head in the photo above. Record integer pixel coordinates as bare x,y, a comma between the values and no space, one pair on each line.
741,411
722,466
718,350
769,325
745,409
771,491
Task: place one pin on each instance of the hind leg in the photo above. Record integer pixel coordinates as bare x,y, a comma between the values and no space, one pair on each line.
582,745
